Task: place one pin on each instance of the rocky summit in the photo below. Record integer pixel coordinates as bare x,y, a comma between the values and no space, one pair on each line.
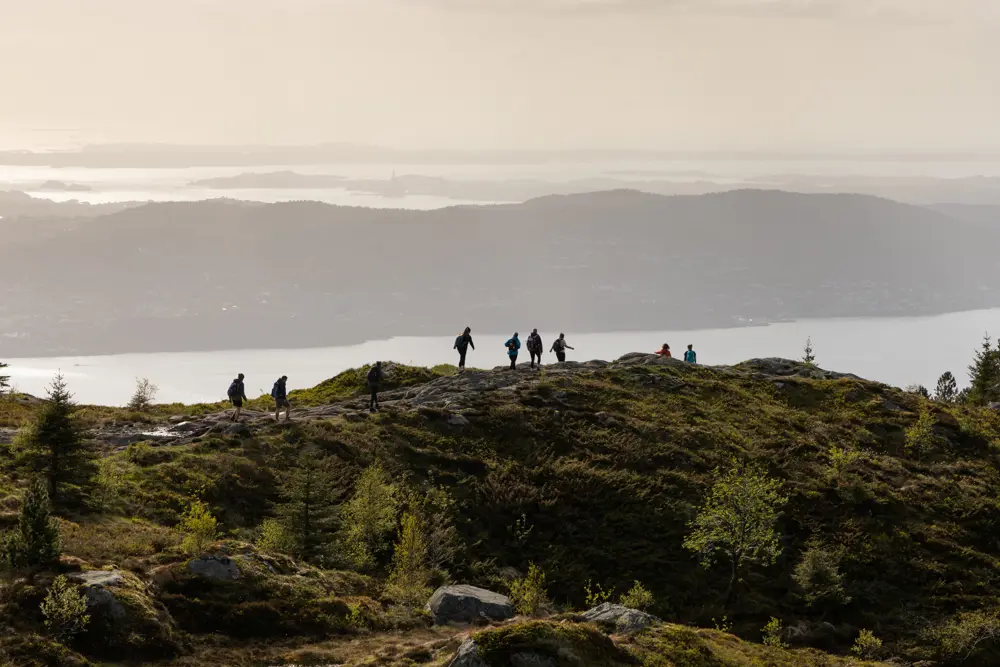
573,515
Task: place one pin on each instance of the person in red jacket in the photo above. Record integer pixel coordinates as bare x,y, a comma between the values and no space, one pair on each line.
664,351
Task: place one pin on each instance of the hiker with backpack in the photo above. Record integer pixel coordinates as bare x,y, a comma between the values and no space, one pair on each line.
560,347
462,344
237,394
513,344
691,356
279,392
535,347
375,377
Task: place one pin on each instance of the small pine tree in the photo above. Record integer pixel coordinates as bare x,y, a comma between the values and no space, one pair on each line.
737,520
919,390
409,580
808,356
818,576
947,388
54,448
145,394
370,517
4,380
35,540
984,374
920,438
307,512
528,594
638,597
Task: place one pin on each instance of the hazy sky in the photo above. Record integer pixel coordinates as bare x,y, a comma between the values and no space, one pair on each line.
854,75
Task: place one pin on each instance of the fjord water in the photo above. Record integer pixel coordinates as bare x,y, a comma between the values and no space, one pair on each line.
897,351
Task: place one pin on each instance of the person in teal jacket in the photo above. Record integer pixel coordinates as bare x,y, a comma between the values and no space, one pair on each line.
513,345
691,356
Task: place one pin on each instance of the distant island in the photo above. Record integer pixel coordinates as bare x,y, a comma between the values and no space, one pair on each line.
59,186
214,274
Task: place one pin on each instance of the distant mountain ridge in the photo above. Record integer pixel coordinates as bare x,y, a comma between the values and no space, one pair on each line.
224,275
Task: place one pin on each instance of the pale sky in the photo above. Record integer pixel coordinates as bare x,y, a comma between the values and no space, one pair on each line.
780,75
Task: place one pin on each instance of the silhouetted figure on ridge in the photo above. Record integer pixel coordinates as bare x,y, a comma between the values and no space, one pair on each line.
237,394
462,344
535,347
513,344
375,377
279,392
560,347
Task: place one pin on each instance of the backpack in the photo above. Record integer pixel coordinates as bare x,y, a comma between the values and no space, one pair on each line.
274,389
373,375
458,341
234,389
559,345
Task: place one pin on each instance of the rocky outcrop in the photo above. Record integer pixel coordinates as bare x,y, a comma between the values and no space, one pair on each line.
212,567
625,620
468,604
467,656
98,587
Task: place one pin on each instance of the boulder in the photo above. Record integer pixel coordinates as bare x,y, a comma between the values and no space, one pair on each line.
468,604
212,567
95,585
625,620
467,656
458,420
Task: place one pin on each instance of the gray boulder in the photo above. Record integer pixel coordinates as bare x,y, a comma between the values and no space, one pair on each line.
96,585
467,656
458,420
468,604
625,620
211,567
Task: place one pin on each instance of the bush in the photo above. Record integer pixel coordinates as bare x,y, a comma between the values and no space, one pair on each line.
772,634
867,645
638,597
962,636
65,610
528,594
35,540
595,596
920,437
273,538
200,528
818,576
145,394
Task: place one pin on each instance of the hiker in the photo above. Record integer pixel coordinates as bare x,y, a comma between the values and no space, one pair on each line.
375,377
535,347
560,347
462,344
513,345
237,394
279,392
664,351
691,356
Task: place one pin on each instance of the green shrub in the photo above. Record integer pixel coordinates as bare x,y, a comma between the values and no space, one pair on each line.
145,394
273,538
962,636
528,594
867,645
35,540
200,528
595,595
920,438
772,634
65,610
638,597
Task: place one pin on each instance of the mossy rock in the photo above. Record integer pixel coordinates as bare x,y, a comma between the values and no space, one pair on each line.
263,602
546,643
127,622
24,649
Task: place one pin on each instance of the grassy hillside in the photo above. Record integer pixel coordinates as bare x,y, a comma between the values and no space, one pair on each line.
592,472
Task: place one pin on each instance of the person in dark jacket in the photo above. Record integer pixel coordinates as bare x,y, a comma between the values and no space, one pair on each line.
375,377
560,347
513,344
279,392
462,344
535,348
237,394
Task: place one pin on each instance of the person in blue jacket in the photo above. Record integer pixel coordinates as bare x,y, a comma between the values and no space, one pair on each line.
691,356
513,345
